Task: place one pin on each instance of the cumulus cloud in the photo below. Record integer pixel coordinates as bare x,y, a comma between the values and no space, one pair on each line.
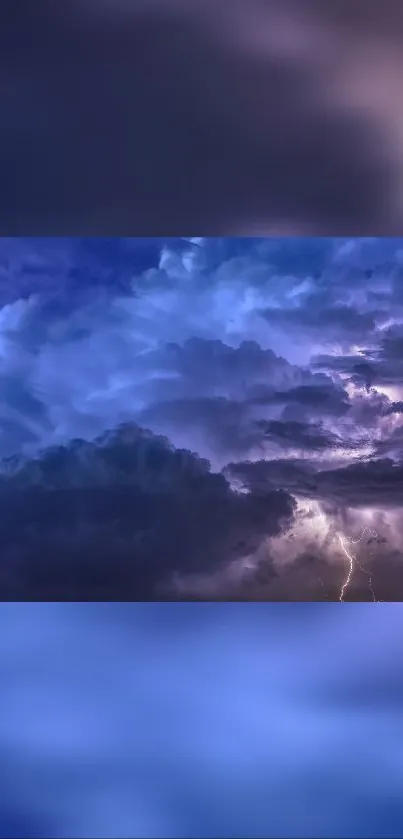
173,336
120,517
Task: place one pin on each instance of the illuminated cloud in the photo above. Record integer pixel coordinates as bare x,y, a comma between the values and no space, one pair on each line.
274,363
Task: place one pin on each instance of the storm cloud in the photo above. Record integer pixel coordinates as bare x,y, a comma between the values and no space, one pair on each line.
119,517
153,412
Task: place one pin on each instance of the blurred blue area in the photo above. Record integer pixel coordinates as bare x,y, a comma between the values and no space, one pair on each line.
174,720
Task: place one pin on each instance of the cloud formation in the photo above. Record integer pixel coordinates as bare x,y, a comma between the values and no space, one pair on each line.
263,378
119,517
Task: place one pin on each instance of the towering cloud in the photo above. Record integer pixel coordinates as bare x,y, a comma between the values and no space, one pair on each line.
204,417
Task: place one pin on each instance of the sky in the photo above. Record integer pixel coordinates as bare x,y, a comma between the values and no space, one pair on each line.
144,117
201,720
205,418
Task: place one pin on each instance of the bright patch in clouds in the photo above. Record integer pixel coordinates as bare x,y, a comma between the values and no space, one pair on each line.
278,360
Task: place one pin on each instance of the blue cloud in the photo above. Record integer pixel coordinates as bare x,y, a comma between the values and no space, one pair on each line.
237,349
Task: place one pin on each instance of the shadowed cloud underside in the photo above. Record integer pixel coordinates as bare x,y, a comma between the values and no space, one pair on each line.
201,418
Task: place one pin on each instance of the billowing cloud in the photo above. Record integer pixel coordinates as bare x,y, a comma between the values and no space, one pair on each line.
119,517
293,418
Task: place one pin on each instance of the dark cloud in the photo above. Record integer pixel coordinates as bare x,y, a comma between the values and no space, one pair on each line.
171,335
214,364
364,483
381,364
269,119
360,372
367,407
379,482
308,578
395,408
119,517
316,571
239,418
260,475
392,344
326,398
298,434
222,423
376,482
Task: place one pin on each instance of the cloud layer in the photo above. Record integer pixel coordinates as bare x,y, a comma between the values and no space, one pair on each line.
201,418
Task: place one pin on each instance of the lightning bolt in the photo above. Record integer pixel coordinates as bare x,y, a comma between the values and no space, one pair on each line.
370,586
352,562
350,570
